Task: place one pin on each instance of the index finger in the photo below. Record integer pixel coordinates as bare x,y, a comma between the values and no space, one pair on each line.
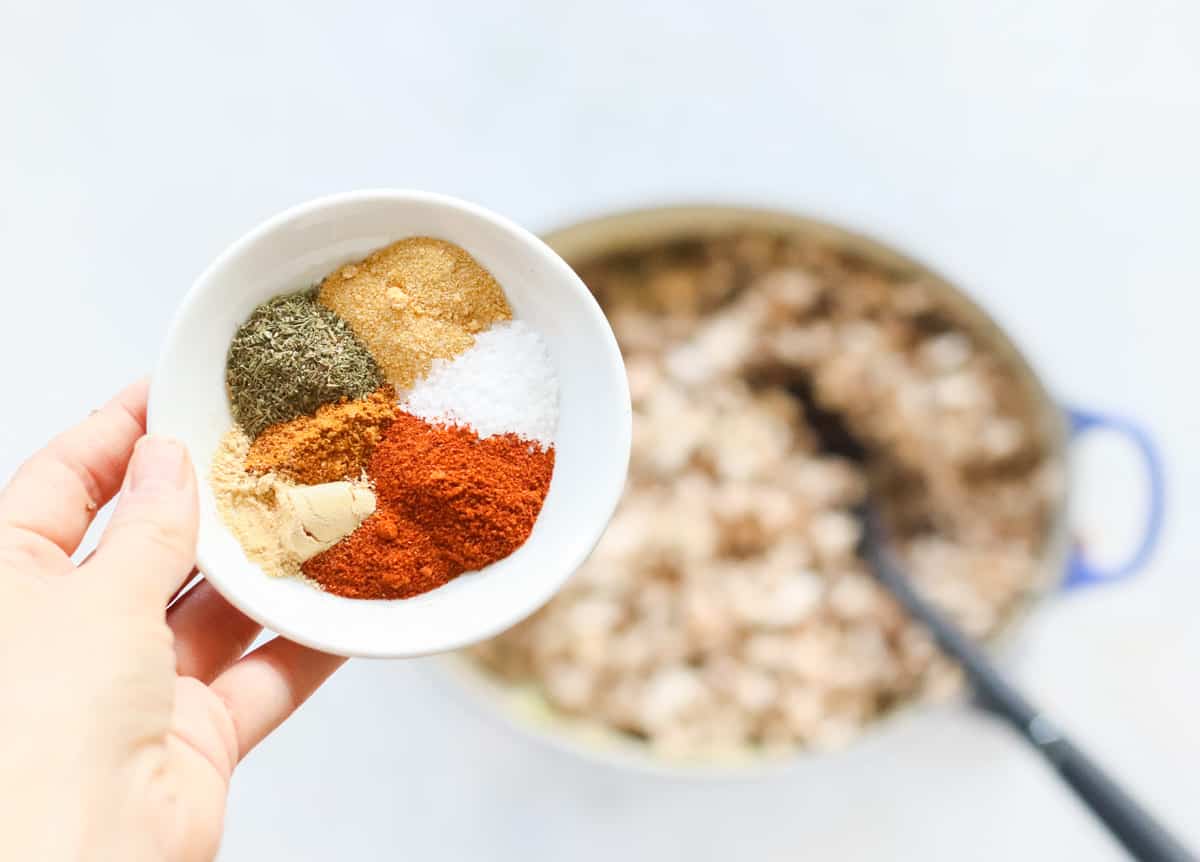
56,493
268,685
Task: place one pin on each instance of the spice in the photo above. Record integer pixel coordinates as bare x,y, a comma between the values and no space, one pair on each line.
247,505
320,516
504,384
449,502
312,380
388,557
415,301
332,444
280,525
291,356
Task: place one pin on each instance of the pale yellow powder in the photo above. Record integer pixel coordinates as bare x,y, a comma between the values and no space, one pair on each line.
280,524
320,516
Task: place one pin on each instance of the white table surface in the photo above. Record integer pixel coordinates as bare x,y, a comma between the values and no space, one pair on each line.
1043,153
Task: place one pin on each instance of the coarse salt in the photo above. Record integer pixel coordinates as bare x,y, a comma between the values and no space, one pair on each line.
503,384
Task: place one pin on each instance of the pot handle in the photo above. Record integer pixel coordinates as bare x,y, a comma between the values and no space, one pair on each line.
1081,572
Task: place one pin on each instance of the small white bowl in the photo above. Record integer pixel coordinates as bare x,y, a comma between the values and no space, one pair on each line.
295,250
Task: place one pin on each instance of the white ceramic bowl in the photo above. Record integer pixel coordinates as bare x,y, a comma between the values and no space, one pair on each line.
295,250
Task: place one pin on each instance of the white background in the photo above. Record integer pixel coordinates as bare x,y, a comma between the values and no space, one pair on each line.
1045,154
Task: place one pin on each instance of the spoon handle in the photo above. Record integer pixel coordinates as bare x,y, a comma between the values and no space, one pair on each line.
1128,821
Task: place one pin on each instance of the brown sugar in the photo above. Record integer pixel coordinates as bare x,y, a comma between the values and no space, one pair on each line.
332,444
415,301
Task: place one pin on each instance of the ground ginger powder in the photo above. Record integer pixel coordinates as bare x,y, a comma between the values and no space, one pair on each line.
249,506
328,446
320,516
279,524
415,301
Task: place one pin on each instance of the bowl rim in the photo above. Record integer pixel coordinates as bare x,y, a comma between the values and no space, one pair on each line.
610,493
642,227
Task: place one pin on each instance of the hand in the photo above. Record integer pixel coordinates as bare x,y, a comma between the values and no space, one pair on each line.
120,721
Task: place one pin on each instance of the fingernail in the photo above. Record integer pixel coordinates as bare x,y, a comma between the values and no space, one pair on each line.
158,463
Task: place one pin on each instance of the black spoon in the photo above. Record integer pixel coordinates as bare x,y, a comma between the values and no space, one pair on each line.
1128,821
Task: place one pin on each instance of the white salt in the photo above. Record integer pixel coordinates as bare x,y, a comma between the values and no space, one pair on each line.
504,384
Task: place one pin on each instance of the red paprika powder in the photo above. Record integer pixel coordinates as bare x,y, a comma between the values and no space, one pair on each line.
448,502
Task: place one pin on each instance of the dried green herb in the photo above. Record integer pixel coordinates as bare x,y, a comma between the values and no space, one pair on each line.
291,356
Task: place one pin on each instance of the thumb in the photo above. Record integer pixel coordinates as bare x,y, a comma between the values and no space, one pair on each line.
149,545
